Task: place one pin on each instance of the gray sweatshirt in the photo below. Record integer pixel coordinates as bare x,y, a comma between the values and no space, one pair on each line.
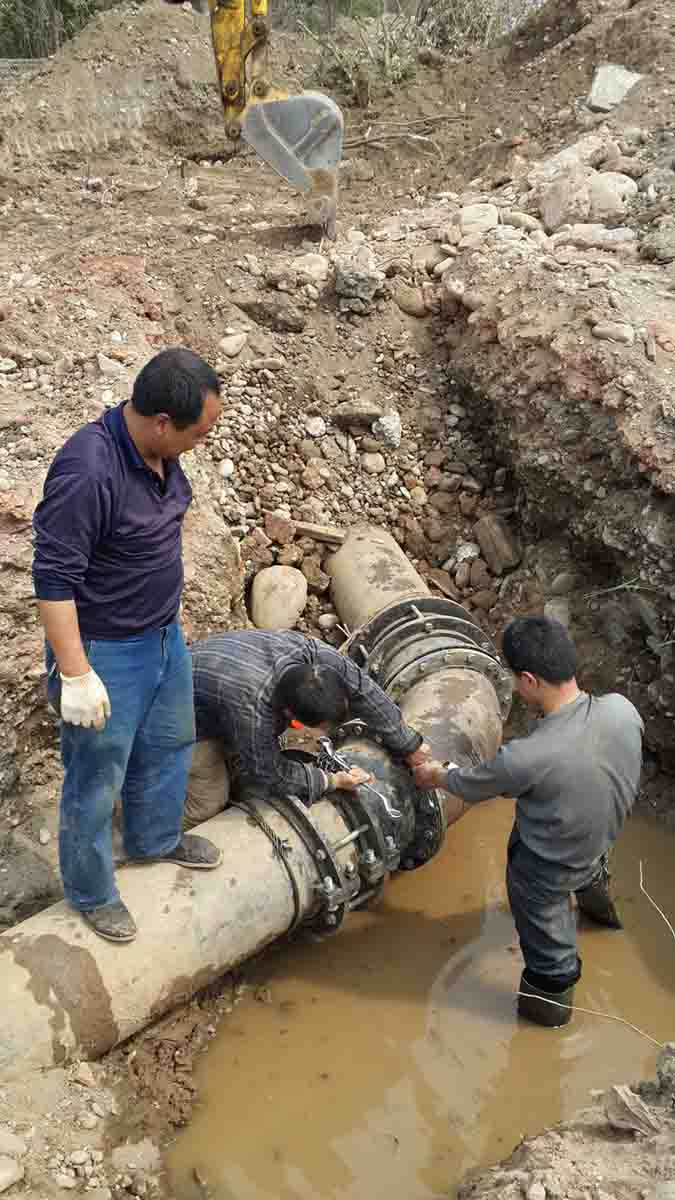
574,778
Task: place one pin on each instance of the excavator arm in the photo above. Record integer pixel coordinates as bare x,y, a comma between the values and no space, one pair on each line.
300,137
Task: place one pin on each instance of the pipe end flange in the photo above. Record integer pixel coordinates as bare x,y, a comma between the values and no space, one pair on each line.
430,830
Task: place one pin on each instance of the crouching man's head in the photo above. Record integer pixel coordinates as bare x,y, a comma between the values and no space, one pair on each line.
315,696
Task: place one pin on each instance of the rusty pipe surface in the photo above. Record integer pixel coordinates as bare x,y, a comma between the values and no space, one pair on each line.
369,572
427,653
67,993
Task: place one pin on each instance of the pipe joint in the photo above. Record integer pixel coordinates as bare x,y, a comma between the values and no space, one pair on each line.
387,844
422,636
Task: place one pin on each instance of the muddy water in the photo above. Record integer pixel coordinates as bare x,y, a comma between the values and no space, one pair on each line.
388,1061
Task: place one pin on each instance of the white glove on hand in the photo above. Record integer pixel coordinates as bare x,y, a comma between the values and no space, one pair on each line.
84,700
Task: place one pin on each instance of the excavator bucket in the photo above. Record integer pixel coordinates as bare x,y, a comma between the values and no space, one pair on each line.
297,137
300,137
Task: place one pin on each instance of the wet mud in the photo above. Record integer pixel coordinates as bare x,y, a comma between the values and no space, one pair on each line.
389,1061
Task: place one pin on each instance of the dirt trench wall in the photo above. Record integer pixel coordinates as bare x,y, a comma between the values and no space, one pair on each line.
560,332
588,424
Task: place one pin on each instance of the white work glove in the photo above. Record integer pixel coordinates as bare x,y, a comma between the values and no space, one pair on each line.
84,700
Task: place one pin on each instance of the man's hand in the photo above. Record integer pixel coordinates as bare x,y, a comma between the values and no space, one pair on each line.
430,775
349,781
84,700
419,756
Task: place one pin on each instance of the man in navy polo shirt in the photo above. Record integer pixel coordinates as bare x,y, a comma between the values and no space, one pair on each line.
108,577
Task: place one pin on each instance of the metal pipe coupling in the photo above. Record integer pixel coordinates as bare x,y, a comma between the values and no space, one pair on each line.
413,639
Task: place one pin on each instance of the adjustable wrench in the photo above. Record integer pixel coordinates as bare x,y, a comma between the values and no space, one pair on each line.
335,760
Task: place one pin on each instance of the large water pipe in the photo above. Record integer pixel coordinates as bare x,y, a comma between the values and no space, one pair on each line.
66,993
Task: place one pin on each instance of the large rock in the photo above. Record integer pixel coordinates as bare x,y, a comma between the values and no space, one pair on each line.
233,344
582,194
387,429
593,236
659,245
565,199
278,597
611,84
410,300
357,277
475,220
361,410
312,268
609,194
274,312
587,151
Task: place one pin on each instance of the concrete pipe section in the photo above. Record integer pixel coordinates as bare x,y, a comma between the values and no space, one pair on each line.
67,993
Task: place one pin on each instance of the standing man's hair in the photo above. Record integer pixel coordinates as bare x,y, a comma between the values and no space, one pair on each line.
174,382
542,647
313,694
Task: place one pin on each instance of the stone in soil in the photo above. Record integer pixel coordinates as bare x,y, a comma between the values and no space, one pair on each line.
317,578
274,312
475,220
559,609
278,597
387,429
443,582
280,528
498,544
233,344
611,84
410,300
373,463
357,277
84,1075
10,1172
361,411
614,331
315,426
27,885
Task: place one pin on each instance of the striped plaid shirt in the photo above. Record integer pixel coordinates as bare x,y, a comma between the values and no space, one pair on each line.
235,677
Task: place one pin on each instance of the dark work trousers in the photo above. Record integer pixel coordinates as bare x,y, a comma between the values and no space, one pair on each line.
540,897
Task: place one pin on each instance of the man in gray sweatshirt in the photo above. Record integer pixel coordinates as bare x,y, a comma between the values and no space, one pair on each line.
574,779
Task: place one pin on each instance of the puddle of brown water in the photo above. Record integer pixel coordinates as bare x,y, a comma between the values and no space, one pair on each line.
390,1061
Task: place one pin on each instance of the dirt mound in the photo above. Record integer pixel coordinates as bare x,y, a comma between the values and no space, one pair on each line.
621,1146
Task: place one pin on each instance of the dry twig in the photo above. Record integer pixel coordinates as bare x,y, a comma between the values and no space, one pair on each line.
653,902
378,139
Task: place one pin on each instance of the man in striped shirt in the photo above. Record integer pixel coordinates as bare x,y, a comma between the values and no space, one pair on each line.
248,685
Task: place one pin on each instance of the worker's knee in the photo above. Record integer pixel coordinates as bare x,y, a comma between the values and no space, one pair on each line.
208,785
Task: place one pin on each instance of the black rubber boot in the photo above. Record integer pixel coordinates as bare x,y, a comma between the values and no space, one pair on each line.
596,903
549,1008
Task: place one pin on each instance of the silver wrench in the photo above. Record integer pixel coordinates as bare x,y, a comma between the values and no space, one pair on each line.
337,761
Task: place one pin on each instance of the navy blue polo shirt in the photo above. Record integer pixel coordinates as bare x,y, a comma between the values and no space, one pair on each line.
108,533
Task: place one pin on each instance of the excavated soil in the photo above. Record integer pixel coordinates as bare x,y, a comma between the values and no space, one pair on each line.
127,226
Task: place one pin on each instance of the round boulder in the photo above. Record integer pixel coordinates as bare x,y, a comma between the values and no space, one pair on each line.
278,597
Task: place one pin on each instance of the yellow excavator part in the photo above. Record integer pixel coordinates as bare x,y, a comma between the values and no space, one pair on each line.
300,137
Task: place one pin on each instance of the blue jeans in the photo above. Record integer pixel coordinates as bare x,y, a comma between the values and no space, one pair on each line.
539,894
142,755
